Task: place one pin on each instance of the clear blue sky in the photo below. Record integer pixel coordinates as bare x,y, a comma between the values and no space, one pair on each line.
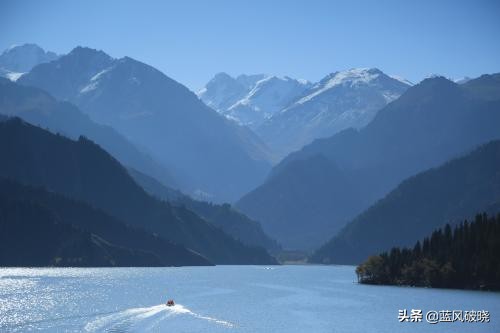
192,40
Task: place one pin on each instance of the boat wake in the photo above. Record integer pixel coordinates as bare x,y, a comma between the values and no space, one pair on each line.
145,319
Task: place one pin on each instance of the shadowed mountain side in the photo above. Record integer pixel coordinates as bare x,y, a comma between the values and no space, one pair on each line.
32,236
223,216
39,108
96,222
219,157
420,204
83,171
429,124
291,216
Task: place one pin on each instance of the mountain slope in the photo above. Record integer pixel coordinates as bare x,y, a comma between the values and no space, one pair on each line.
83,171
210,153
156,251
222,90
32,236
250,102
39,108
420,204
340,100
429,124
22,58
232,222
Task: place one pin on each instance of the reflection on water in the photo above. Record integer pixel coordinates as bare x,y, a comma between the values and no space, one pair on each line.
220,299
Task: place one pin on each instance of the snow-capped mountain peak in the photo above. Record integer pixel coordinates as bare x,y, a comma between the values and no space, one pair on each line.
351,78
19,59
288,113
22,58
251,99
462,80
342,99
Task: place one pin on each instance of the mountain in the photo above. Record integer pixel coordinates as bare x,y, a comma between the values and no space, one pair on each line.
210,153
251,102
340,100
223,216
66,232
39,108
81,170
20,59
447,194
429,124
222,91
462,80
31,236
13,76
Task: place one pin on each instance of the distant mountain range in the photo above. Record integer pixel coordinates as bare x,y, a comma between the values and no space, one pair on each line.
317,190
131,154
288,114
341,100
232,222
250,100
81,170
208,153
420,204
39,108
20,59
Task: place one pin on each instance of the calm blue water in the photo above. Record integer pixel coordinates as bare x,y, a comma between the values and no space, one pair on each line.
222,299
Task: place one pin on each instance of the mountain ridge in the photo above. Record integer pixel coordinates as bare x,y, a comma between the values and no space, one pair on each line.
449,193
207,152
429,124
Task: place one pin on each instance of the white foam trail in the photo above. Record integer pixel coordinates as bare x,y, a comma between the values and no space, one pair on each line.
181,309
144,319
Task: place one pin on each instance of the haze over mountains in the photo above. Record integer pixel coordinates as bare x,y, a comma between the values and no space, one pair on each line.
208,153
447,194
39,108
131,153
20,59
82,171
429,124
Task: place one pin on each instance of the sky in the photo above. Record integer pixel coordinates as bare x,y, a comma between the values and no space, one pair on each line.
191,41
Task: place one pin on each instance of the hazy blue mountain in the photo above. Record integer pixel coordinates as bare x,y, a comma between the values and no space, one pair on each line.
223,90
39,108
223,216
32,236
420,204
340,100
20,59
95,238
215,155
13,76
486,87
83,171
251,100
429,124
462,80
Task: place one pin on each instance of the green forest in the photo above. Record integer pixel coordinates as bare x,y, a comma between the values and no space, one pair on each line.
465,256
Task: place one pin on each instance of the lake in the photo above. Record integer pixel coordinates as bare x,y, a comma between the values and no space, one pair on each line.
223,299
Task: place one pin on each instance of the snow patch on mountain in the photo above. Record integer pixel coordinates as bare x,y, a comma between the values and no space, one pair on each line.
341,100
22,58
251,99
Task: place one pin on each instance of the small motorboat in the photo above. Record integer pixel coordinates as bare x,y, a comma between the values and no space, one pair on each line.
170,302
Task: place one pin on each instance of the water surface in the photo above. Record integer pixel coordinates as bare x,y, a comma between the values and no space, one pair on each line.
222,299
